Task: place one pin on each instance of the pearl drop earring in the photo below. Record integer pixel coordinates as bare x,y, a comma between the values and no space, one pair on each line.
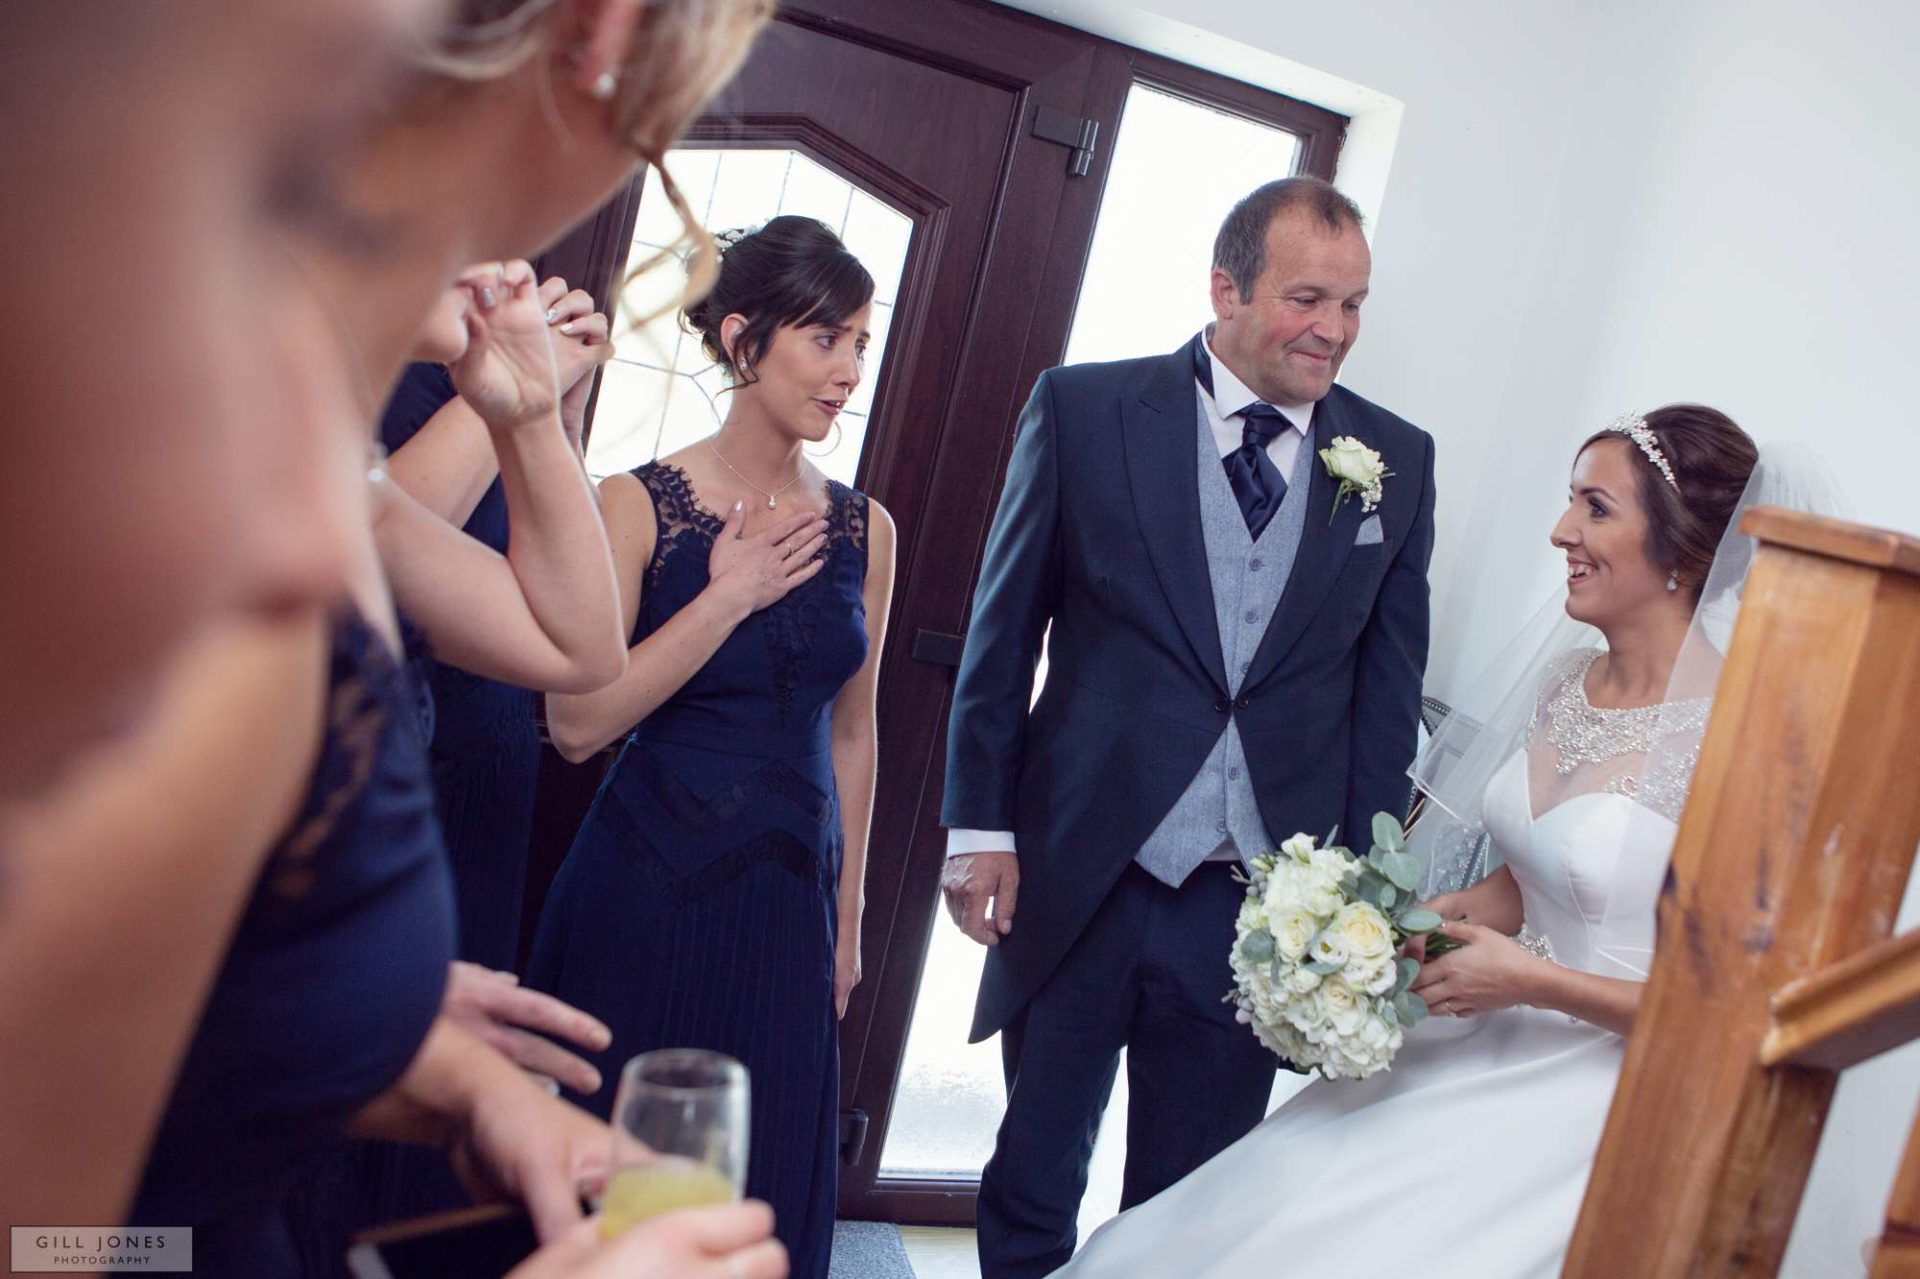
604,85
1673,580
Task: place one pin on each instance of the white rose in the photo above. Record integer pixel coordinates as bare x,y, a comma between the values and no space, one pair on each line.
1364,929
1343,1006
1329,948
1379,1040
1292,931
1283,893
1376,977
1308,1012
1331,863
1301,982
1321,894
1348,459
1367,1050
1323,899
1300,846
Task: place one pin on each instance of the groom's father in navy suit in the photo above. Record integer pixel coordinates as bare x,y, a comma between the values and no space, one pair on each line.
1236,654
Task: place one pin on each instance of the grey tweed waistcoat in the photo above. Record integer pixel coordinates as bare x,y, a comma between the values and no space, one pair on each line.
1218,809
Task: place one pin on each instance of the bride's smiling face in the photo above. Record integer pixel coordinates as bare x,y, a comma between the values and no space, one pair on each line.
1604,535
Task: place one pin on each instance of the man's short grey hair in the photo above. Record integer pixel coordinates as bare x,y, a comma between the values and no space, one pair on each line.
1241,247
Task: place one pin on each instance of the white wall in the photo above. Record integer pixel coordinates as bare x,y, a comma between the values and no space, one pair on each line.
1740,232
1581,209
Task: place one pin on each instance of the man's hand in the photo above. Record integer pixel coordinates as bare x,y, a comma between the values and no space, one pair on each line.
496,1009
970,881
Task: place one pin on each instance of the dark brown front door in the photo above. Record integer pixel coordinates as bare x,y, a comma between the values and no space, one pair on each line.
991,131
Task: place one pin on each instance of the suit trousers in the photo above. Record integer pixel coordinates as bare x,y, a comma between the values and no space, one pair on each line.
1148,973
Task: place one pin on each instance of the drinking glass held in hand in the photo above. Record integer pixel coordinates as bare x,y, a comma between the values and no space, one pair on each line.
688,1108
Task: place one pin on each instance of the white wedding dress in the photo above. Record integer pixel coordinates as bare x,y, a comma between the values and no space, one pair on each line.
1469,1158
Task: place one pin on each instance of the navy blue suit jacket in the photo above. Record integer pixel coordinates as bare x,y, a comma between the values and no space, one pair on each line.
1098,534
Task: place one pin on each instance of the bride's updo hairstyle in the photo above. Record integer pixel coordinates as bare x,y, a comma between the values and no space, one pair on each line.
792,272
1712,460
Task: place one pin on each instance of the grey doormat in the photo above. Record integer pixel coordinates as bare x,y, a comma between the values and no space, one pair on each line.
868,1250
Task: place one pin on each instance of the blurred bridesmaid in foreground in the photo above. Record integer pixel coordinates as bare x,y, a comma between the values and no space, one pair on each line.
210,549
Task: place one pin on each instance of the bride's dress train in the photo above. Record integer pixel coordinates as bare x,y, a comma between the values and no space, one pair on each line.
1469,1158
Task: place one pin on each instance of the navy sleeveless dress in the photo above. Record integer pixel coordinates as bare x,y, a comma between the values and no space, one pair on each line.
486,741
696,908
330,985
484,750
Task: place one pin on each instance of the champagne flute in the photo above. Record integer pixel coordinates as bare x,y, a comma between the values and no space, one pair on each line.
688,1108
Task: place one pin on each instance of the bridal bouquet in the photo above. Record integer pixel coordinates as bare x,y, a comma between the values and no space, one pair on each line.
1317,967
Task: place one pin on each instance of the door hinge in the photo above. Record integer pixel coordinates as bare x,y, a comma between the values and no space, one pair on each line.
938,648
1071,132
853,1137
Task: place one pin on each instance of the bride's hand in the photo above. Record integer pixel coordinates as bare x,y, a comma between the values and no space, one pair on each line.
1488,972
1447,906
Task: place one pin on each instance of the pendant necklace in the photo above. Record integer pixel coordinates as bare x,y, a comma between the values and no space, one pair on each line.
773,497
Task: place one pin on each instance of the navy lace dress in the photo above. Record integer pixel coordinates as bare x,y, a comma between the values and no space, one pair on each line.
486,742
328,989
696,908
485,756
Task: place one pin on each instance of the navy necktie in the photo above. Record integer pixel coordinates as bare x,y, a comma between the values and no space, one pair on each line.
1257,483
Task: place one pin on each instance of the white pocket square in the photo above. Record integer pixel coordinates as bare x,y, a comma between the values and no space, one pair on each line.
1370,533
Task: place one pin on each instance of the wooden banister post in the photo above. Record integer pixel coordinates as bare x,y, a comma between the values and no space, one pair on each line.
1793,852
1898,1256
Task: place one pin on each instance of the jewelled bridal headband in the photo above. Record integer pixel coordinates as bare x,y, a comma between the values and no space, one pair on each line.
1635,428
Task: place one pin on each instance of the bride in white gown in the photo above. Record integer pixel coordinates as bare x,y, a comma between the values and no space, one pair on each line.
1470,1157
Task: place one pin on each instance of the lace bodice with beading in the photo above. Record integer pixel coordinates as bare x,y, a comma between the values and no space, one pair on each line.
1646,753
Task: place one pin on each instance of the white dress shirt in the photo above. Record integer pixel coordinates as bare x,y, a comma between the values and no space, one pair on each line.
1221,412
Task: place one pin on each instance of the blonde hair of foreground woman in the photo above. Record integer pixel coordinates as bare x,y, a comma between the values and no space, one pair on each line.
183,463
611,82
525,116
681,53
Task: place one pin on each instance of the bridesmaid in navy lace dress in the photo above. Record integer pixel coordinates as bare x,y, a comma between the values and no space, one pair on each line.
712,897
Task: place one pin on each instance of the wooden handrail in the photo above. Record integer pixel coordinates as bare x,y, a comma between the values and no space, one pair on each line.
1834,539
1858,1008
